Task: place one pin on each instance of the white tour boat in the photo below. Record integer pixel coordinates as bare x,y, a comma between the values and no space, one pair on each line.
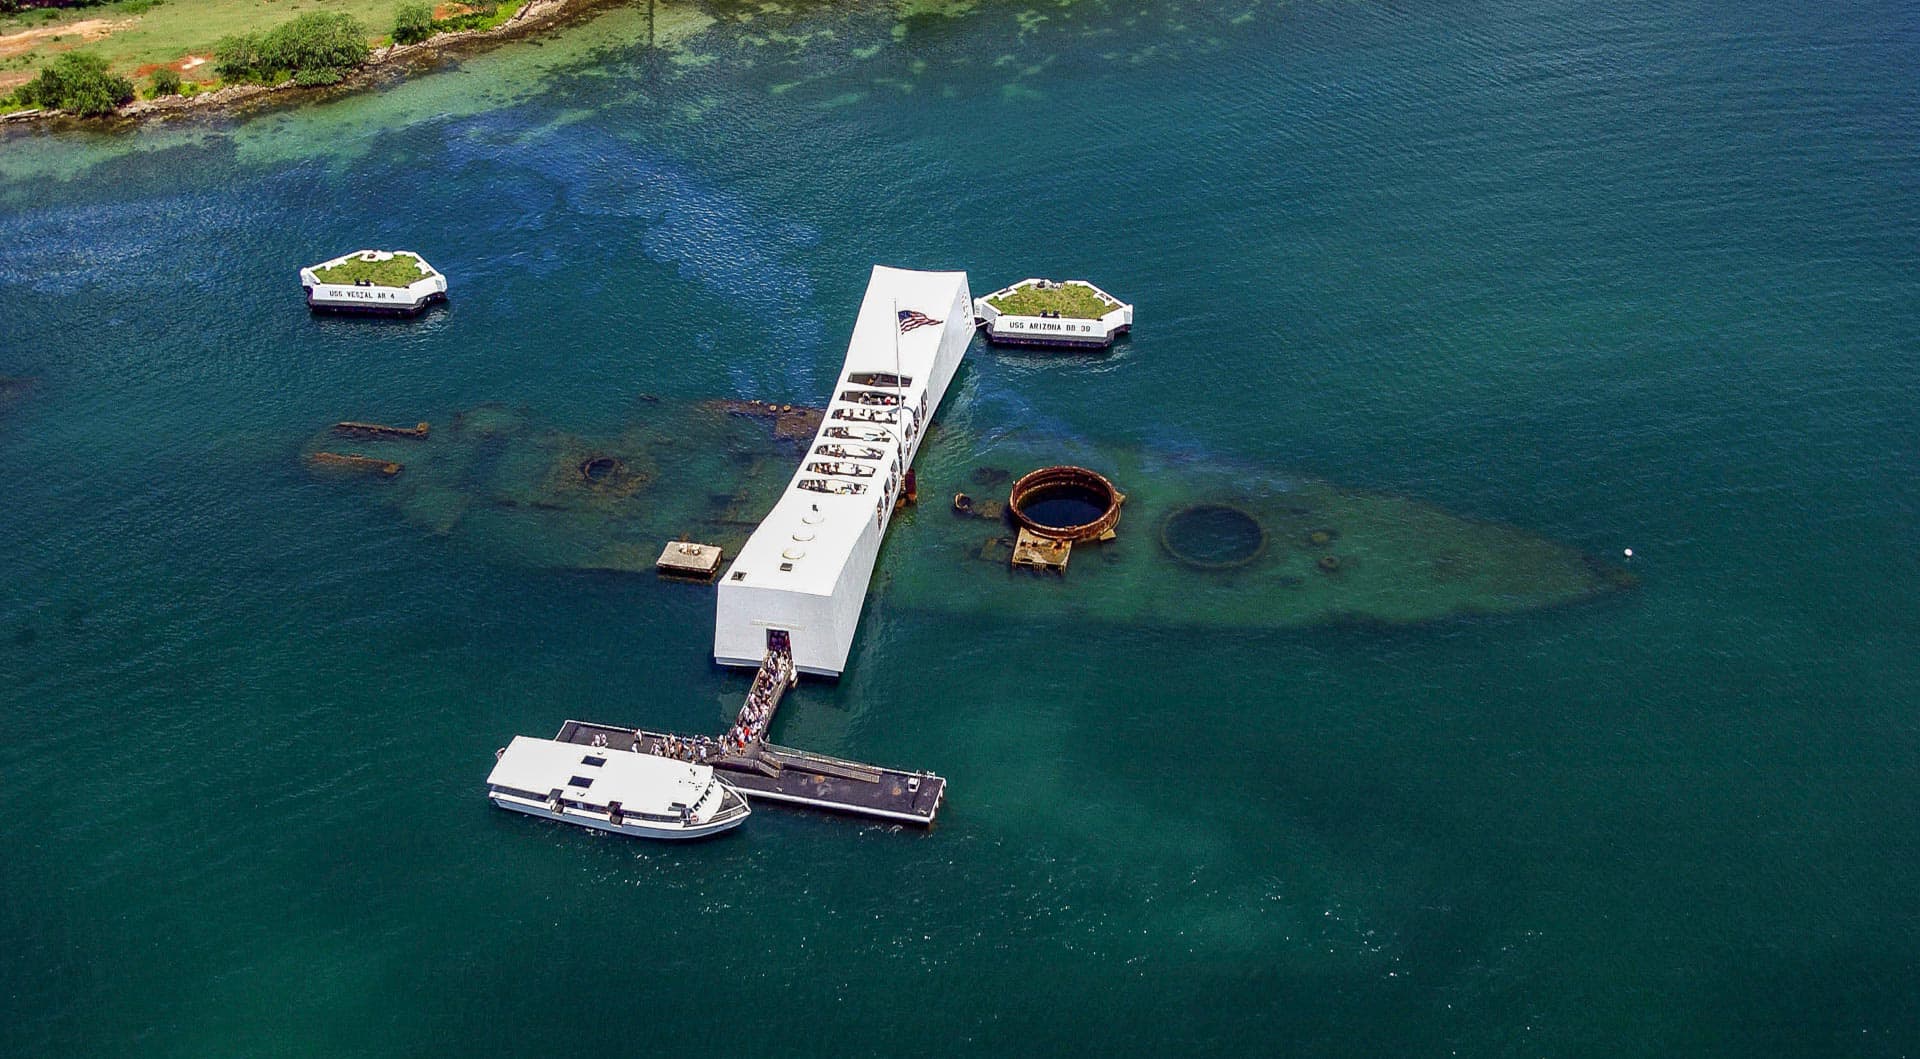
805,569
610,789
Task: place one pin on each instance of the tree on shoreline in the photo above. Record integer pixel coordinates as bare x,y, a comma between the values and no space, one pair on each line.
166,82
316,48
79,82
412,23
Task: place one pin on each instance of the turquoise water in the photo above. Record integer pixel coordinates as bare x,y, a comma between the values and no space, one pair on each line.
1628,277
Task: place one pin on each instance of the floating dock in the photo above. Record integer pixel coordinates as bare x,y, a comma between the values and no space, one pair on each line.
793,777
759,769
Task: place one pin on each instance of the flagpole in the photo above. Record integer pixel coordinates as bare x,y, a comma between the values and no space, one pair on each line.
900,406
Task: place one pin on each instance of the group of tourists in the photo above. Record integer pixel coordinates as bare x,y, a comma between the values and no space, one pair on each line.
758,710
697,750
749,728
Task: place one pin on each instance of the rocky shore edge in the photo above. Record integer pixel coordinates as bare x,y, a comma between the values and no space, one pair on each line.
383,62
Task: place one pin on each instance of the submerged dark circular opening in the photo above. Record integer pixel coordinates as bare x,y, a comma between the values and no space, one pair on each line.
1063,508
1213,536
1066,503
599,468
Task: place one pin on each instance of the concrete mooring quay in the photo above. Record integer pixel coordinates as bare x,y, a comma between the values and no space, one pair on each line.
793,777
758,769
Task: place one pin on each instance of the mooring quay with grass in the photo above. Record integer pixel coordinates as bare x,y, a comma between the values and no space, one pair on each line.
1071,314
379,282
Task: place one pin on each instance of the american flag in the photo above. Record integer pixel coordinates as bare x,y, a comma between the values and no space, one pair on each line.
910,320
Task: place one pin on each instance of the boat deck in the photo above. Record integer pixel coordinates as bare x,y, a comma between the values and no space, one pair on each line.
794,777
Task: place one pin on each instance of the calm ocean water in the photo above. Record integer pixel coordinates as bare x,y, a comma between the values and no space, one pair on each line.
1638,276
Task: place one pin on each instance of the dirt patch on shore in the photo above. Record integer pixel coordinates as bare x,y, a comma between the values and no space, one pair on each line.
184,65
51,39
86,30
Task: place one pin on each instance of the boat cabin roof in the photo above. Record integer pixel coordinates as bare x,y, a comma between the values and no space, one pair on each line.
599,775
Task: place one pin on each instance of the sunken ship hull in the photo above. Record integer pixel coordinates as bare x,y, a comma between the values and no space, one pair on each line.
1202,541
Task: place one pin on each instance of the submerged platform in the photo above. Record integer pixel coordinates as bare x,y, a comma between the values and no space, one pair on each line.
688,559
793,777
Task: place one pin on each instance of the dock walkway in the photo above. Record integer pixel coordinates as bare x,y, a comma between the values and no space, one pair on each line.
793,777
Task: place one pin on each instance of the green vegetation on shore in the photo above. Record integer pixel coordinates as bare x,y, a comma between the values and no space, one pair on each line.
1070,300
79,82
398,271
318,48
478,16
412,23
208,43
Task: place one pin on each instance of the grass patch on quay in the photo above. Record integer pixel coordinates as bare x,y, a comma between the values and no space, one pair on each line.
1071,300
398,271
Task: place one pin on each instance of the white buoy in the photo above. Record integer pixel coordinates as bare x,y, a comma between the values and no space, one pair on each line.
1629,553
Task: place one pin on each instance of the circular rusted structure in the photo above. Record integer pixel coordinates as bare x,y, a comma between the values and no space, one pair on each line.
1213,536
962,503
1065,503
596,469
1329,564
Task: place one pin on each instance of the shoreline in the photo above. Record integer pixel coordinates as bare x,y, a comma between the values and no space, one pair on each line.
382,65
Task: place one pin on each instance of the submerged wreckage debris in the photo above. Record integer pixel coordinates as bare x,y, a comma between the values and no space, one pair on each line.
964,504
1041,553
534,495
1066,503
1058,506
13,388
356,462
379,430
1233,544
790,422
1240,545
1213,536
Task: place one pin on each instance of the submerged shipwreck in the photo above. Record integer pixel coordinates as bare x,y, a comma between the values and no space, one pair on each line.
1200,542
803,500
